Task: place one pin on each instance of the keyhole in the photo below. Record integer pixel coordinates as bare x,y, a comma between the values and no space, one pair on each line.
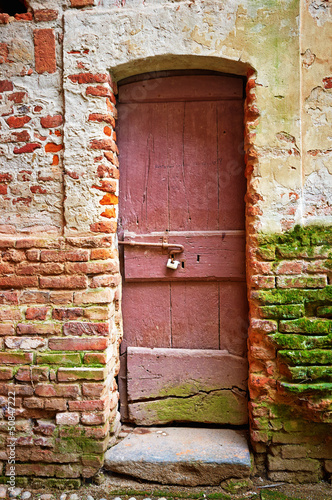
198,258
182,265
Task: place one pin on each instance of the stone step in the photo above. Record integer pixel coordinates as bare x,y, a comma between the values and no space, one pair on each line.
181,455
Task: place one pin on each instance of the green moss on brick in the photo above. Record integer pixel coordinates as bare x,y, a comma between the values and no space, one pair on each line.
311,357
310,326
282,311
302,388
311,372
286,341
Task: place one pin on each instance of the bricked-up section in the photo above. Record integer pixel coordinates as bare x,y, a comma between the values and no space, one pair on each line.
103,173
31,121
290,353
59,328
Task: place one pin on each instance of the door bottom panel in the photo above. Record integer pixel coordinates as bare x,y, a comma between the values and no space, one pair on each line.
186,385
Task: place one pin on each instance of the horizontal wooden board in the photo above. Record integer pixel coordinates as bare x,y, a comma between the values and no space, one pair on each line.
174,88
186,385
182,372
211,256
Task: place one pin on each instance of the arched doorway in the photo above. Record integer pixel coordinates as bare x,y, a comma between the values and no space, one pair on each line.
181,230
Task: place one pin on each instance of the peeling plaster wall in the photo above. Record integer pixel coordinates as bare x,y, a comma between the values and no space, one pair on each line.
316,36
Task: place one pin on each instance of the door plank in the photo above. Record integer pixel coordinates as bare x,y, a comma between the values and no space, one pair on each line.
200,328
232,182
179,88
233,317
146,315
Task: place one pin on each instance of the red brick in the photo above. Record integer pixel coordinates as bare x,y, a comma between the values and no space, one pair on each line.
81,3
104,227
36,313
93,418
92,358
18,281
25,16
6,86
99,91
41,15
109,132
45,57
109,199
63,282
102,253
51,147
93,389
17,121
38,329
10,314
57,390
45,268
33,254
6,373
38,189
28,148
105,280
101,118
3,53
78,344
34,297
35,374
4,18
107,186
77,328
23,136
289,267
89,78
3,189
6,177
67,418
56,404
67,313
62,297
63,256
105,171
17,97
44,427
12,358
70,374
37,109
327,82
87,405
104,296
51,121
33,403
107,144
8,297
92,267
112,158
7,329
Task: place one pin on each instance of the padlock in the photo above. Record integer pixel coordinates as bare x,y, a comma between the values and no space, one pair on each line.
172,264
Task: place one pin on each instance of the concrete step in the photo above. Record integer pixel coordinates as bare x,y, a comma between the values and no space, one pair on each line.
181,455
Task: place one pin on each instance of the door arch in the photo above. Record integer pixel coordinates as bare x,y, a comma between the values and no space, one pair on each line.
183,357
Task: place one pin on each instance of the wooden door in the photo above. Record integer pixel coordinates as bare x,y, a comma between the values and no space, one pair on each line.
183,356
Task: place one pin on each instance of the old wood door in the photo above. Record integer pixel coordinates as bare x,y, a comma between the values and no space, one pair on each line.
183,356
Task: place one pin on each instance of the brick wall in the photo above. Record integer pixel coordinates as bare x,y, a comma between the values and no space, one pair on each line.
290,341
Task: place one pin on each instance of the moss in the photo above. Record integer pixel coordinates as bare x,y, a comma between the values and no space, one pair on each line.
302,388
282,311
312,357
286,341
325,311
310,326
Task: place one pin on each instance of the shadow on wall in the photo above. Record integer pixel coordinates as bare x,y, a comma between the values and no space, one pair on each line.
13,7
